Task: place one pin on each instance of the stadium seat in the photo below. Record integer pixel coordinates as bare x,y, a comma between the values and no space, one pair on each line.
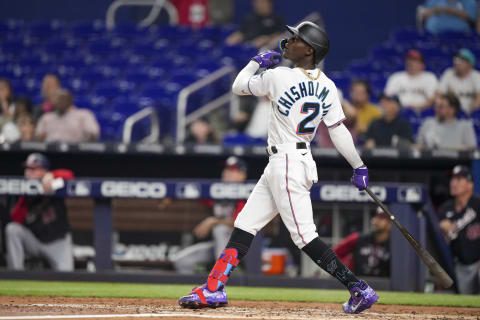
462,115
342,81
242,139
107,90
9,26
429,112
412,117
93,76
101,48
183,78
360,67
44,29
86,29
407,35
125,106
382,52
74,62
137,76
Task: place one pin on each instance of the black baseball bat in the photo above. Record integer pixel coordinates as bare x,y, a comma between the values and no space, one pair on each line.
426,257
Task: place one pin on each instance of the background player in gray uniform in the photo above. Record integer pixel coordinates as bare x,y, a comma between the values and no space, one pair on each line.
301,98
39,224
220,225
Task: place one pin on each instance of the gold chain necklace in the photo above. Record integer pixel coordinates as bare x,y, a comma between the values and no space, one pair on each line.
309,76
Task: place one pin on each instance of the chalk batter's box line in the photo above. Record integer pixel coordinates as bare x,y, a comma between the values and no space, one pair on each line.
144,315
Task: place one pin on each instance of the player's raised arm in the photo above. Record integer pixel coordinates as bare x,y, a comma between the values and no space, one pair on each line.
243,82
342,139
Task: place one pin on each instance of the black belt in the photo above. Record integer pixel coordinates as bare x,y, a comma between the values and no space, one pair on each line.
300,145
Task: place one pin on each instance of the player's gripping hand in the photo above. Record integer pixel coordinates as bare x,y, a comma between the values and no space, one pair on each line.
267,59
360,177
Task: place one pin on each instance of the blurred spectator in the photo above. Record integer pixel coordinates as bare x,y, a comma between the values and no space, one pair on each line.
463,80
221,11
23,106
415,87
220,225
11,131
460,222
368,255
39,224
201,132
439,16
50,86
192,13
322,138
26,127
260,27
67,123
6,99
257,126
8,129
7,108
366,112
445,131
391,130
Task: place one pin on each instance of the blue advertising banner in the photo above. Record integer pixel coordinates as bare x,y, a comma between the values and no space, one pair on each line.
205,189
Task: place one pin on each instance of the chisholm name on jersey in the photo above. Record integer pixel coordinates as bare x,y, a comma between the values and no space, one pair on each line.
302,90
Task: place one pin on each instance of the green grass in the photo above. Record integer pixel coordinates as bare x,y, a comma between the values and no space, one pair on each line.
123,290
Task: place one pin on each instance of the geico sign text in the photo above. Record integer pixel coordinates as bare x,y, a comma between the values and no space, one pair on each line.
332,192
20,186
133,189
231,190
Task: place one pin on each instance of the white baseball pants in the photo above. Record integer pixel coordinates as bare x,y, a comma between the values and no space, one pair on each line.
283,188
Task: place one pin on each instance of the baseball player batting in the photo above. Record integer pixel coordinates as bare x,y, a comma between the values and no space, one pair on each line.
301,97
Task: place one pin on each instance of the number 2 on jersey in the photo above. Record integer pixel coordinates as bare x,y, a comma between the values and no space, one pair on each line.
306,108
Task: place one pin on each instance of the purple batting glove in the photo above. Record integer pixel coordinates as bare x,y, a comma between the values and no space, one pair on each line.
267,59
360,178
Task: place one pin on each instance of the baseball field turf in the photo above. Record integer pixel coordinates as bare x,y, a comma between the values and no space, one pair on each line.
122,290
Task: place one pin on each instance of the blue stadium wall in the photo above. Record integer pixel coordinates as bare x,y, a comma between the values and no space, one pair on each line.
354,26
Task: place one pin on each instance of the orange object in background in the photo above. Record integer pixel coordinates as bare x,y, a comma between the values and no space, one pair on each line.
274,261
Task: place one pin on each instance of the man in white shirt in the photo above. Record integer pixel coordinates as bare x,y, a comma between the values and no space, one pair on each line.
445,131
415,87
463,80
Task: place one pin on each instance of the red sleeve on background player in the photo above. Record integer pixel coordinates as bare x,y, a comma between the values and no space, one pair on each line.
344,250
192,13
19,212
238,208
63,173
345,247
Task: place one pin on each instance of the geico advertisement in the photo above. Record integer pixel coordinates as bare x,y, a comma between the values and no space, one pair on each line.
231,190
332,192
133,189
21,186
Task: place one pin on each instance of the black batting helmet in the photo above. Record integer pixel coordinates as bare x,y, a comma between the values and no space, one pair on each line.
313,35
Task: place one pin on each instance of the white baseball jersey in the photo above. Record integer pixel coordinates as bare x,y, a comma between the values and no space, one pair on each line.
300,99
413,91
466,89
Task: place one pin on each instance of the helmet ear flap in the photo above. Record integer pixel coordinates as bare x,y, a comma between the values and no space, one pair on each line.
282,43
